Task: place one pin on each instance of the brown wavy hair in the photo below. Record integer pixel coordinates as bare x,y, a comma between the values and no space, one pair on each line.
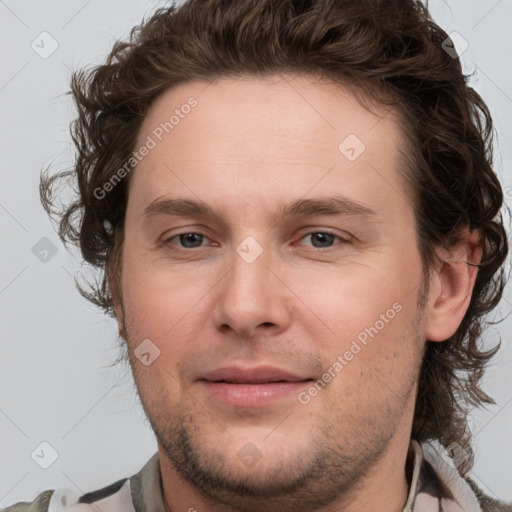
389,51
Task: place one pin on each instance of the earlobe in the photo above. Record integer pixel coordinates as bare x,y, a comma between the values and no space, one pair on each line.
452,286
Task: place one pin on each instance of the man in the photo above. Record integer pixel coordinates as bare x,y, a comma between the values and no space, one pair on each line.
295,209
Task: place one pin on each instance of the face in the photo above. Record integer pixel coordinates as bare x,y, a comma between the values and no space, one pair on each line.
270,263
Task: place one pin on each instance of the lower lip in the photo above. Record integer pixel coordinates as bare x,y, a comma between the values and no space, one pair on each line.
252,395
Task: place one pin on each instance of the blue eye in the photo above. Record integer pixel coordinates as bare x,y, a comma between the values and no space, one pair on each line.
323,238
187,240
191,239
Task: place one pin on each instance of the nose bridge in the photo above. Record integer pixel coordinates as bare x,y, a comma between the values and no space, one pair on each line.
251,296
249,276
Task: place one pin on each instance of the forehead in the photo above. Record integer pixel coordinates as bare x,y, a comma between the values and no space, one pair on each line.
316,106
255,135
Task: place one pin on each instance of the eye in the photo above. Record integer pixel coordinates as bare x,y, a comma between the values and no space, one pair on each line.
323,239
187,240
192,240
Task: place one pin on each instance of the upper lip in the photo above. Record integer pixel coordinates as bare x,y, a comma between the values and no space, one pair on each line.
257,375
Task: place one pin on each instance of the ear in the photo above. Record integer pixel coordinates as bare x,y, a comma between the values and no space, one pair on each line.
451,285
114,275
117,300
119,313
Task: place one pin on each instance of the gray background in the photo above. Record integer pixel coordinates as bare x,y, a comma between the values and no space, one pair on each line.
57,381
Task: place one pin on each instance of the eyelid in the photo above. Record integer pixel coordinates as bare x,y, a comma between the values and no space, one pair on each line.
166,240
344,239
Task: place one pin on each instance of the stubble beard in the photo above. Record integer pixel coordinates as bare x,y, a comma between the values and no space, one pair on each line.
310,477
306,481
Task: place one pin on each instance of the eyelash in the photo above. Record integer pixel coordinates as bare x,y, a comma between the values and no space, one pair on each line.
168,241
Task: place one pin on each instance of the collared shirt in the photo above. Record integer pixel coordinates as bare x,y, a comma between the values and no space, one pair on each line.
435,486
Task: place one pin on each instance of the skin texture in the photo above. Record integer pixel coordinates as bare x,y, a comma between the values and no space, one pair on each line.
248,147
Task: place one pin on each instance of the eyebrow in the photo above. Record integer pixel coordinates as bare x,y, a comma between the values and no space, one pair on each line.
333,205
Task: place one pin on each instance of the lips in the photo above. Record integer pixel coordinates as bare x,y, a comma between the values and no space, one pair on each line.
258,375
250,388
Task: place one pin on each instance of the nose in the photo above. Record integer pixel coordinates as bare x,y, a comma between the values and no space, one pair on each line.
253,298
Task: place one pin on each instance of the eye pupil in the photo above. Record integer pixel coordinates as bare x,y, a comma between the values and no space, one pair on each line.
189,239
319,239
324,238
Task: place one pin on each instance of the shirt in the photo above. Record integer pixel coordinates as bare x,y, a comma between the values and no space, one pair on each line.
435,486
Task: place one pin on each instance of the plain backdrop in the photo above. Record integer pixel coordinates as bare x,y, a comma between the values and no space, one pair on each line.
57,381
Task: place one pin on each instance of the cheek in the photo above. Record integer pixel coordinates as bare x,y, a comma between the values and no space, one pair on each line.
355,298
160,301
375,370
373,345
